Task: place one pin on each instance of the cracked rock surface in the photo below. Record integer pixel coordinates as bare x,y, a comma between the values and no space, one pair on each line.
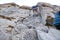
24,23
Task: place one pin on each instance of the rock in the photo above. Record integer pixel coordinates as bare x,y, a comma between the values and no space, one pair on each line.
44,36
4,36
44,12
42,28
24,23
55,33
29,34
20,28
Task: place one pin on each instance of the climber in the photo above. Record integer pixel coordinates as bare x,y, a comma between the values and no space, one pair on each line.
56,22
34,8
49,22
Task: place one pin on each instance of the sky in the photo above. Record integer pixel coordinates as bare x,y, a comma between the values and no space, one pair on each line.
30,2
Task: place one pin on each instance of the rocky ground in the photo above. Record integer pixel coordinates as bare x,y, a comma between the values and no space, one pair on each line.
24,23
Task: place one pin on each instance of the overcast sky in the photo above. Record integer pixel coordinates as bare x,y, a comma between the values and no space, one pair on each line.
30,2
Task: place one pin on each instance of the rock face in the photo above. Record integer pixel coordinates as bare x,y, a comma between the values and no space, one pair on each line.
24,23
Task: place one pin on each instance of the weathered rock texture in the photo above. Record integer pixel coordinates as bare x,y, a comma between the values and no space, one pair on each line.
24,23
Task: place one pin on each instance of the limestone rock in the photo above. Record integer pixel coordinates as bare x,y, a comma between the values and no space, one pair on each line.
24,23
29,34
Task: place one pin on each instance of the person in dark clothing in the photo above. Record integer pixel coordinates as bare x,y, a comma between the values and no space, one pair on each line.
56,22
49,21
34,8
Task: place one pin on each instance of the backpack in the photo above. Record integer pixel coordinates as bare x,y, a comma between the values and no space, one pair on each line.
57,19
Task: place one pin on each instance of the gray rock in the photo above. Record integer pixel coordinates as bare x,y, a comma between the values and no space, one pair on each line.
29,34
26,23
